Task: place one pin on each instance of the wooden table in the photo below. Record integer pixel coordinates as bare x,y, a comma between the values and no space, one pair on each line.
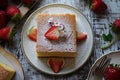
100,24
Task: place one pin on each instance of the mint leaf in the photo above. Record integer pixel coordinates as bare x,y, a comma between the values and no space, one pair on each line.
107,37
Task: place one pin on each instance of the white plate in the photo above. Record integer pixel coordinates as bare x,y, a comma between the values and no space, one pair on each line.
115,59
84,48
10,60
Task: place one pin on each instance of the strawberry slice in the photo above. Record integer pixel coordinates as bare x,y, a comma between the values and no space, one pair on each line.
81,36
32,34
56,64
52,33
7,33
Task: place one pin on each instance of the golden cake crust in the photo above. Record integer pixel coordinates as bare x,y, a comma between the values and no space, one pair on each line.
61,48
6,72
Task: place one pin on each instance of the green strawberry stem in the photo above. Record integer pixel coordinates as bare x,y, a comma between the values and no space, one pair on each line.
16,17
12,34
109,45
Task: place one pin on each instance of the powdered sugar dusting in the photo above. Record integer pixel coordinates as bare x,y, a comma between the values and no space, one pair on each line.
65,44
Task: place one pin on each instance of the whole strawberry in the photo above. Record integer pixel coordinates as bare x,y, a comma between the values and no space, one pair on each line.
115,26
2,18
7,33
98,6
112,72
14,13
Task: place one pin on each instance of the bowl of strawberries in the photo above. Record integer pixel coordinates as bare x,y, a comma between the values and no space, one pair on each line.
111,71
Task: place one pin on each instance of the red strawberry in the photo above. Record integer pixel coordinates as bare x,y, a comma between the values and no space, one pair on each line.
27,1
116,24
32,34
52,33
2,18
98,6
81,36
112,73
6,33
56,64
14,13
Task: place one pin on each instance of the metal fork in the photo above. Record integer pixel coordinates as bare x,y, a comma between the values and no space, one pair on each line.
101,67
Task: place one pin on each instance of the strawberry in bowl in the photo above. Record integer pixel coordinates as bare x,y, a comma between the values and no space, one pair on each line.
112,72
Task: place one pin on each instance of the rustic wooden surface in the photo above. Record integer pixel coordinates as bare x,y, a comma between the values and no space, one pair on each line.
100,24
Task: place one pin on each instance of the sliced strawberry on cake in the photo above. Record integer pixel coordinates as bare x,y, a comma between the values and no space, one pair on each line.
56,64
52,33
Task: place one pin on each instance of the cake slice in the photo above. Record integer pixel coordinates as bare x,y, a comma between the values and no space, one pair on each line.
65,46
6,72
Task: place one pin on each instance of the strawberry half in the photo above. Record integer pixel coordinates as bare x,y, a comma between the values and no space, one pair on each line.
32,34
14,13
2,18
81,36
56,64
52,33
98,6
112,72
116,26
7,33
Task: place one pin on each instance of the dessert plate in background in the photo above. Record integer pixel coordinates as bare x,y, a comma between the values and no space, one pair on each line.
84,48
115,59
10,60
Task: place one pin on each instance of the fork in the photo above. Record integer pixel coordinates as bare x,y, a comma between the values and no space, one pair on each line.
100,68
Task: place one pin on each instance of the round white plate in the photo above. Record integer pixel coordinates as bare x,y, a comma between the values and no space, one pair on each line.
115,59
84,48
10,60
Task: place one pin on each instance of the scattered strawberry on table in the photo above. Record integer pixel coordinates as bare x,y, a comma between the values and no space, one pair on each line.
27,1
7,33
2,18
14,13
112,72
98,6
115,28
56,64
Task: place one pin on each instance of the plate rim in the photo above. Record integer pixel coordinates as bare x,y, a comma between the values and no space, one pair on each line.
10,54
106,54
58,4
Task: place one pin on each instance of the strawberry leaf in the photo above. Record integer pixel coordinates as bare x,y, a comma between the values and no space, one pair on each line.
107,37
12,34
16,18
